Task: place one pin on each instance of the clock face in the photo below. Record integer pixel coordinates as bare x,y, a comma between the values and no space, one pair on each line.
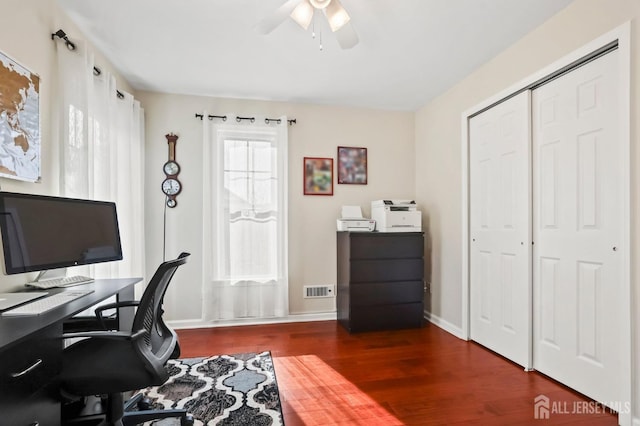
171,168
171,186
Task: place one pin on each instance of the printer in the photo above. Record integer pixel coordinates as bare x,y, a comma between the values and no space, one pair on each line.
396,216
352,220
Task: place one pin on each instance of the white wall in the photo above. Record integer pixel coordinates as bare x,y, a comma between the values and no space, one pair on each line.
438,140
25,36
389,137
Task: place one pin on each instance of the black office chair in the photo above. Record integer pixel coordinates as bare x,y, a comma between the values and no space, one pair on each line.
112,362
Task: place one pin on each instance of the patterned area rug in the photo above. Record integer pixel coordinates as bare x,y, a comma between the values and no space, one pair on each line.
230,390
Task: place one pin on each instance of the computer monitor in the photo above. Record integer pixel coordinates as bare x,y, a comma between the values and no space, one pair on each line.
42,232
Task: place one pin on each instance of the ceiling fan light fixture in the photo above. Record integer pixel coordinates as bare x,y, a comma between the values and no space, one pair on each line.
336,15
320,4
302,14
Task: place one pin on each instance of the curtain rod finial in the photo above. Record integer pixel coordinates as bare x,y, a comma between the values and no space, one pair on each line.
58,33
63,36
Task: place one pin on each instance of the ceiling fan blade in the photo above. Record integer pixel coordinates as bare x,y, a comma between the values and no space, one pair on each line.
346,36
270,23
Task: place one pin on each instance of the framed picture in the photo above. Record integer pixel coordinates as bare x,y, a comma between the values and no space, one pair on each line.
352,165
318,176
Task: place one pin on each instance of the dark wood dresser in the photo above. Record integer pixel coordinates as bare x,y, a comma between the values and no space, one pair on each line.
380,280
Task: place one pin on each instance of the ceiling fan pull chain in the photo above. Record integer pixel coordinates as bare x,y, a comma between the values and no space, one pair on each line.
313,27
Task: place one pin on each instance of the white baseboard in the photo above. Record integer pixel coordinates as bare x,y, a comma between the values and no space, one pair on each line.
200,323
323,316
445,325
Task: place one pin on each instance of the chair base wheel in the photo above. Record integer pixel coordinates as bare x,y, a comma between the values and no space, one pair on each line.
187,420
145,404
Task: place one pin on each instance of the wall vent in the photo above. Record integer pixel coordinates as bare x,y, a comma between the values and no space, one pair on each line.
317,291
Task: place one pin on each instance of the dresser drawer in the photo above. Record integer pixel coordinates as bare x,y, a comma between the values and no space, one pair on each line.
386,246
41,409
387,270
381,317
26,373
383,293
27,367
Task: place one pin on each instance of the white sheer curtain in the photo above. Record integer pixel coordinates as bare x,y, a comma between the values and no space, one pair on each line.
101,152
245,217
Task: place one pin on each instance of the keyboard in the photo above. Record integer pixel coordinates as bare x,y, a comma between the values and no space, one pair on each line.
47,303
60,282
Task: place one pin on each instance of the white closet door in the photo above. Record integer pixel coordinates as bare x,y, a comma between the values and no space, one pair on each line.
500,252
578,225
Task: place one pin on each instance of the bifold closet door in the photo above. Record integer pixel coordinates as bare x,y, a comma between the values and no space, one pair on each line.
499,220
578,229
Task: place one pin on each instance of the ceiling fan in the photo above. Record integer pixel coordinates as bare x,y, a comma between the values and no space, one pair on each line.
302,11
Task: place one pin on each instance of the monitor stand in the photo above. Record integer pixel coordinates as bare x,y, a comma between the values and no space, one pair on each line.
48,274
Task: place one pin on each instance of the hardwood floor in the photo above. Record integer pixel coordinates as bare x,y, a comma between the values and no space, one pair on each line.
327,376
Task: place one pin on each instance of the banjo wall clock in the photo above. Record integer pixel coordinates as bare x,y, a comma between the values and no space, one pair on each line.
171,186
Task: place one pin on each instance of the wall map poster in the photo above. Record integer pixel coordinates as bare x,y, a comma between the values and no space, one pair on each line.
19,121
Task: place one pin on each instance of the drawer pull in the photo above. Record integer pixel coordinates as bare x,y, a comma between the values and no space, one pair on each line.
27,370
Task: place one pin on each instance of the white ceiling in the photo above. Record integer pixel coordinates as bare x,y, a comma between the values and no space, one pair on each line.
410,51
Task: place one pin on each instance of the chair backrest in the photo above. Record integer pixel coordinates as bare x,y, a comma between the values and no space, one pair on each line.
156,340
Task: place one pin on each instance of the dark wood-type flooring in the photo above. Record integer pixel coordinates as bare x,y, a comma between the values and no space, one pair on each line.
426,376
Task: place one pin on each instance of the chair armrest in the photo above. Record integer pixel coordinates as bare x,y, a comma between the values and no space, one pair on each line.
99,334
116,305
124,335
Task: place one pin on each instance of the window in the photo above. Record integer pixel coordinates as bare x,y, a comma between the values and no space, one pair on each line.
251,192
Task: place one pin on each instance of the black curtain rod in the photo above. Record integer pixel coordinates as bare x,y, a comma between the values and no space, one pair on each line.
251,119
97,71
71,46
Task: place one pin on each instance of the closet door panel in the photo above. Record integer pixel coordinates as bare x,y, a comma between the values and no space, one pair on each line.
578,220
500,311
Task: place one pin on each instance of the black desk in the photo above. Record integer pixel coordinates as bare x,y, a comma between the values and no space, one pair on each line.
31,355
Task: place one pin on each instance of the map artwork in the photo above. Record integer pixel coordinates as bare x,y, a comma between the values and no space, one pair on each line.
19,121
